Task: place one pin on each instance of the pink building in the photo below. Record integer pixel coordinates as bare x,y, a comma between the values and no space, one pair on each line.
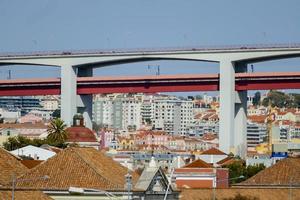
30,118
106,138
158,138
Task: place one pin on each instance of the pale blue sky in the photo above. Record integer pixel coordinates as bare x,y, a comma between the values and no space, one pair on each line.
35,25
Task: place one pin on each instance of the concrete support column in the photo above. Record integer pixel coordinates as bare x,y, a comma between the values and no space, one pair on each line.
240,119
68,93
227,105
85,102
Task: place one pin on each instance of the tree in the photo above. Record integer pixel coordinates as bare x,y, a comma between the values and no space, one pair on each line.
296,100
239,168
278,99
16,142
198,97
57,131
256,99
251,170
56,113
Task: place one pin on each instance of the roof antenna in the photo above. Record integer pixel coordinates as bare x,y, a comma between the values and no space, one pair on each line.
9,74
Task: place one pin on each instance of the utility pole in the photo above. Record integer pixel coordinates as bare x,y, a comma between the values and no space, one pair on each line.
128,179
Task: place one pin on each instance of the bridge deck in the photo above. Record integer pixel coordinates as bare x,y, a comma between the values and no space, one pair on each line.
161,83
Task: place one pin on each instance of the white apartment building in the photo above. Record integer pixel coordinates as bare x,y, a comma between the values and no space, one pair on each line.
117,111
172,115
132,117
256,134
50,103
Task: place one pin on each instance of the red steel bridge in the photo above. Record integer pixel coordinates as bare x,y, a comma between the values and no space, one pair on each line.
151,84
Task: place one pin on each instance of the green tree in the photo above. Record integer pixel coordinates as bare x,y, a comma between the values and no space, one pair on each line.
198,97
56,113
256,98
16,142
296,100
239,168
57,131
278,99
236,169
251,170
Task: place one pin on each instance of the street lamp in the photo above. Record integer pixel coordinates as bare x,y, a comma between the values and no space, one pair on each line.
15,180
227,179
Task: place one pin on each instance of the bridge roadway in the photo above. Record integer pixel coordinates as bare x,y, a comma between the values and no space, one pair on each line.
151,84
76,95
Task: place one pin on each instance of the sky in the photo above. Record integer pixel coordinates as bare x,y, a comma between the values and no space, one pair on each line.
44,25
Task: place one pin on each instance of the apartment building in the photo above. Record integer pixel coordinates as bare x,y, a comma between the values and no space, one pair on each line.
117,111
256,134
174,116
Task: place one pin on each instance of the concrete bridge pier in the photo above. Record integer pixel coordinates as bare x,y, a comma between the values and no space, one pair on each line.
71,103
68,93
233,110
240,117
85,102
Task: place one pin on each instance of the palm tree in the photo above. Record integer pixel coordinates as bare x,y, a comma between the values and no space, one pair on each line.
57,131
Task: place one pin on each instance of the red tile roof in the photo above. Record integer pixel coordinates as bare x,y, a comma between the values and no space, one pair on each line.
78,167
31,163
213,151
23,195
257,118
9,165
25,126
227,161
231,193
284,173
208,136
198,164
80,134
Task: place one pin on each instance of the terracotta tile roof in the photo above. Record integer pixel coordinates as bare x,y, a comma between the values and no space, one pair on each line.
25,125
259,193
257,118
198,116
283,173
78,167
24,195
31,163
80,134
198,164
9,165
208,136
282,113
213,151
225,161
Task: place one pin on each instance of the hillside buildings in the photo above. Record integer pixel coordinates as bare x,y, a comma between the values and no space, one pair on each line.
130,112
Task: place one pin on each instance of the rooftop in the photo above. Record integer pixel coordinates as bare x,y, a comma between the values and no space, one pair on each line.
24,195
80,134
198,164
213,151
284,173
78,167
9,165
259,193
